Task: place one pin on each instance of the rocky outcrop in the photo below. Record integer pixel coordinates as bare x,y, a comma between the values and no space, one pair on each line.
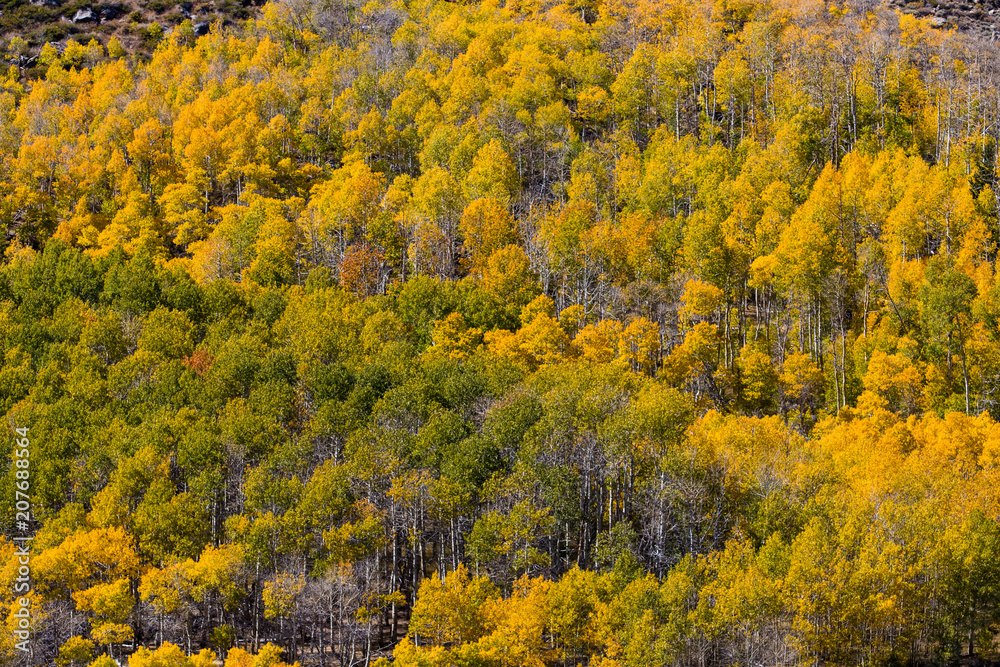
86,15
982,17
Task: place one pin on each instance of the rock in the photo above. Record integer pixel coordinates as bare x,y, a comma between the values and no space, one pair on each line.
85,15
110,12
937,21
200,29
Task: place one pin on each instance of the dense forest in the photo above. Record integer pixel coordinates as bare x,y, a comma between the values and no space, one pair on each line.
600,332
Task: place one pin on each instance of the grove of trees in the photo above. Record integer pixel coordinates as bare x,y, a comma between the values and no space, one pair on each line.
610,333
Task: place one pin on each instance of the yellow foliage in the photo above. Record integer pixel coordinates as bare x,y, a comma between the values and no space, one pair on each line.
109,602
448,611
268,656
453,338
87,557
701,299
757,375
75,652
799,375
486,226
895,381
517,624
598,343
115,633
571,319
639,344
541,305
492,174
508,276
166,588
280,594
203,658
167,655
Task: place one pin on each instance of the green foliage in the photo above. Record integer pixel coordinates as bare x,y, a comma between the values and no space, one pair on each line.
585,333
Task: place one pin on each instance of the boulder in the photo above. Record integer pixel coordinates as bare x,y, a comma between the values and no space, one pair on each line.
110,12
85,15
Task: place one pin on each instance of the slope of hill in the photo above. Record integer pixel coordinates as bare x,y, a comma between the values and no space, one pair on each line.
981,18
137,24
626,333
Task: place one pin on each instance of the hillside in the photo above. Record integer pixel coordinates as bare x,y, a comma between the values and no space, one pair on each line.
551,334
981,19
136,24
